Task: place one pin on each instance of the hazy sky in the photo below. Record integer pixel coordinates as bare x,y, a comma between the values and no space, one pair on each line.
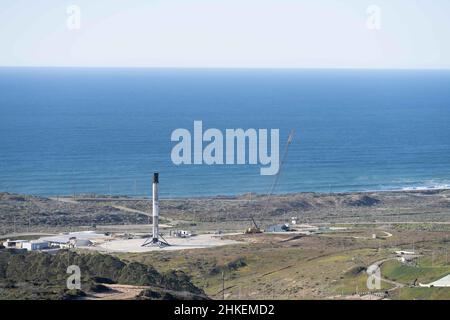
226,33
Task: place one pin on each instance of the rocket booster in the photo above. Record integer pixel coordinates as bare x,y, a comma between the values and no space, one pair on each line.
155,213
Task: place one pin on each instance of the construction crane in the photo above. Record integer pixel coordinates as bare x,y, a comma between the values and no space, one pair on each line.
255,228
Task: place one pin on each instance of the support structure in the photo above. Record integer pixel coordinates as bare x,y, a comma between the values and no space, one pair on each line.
155,240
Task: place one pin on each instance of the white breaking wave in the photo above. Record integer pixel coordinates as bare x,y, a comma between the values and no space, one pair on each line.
433,187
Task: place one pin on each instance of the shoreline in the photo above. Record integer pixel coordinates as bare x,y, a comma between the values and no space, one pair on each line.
238,196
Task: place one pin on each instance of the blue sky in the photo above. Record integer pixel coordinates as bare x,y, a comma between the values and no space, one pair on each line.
226,33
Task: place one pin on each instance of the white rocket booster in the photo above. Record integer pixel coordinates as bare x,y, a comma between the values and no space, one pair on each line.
155,238
155,213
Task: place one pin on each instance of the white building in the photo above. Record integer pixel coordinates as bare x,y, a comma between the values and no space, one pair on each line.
75,239
14,244
403,252
35,245
183,234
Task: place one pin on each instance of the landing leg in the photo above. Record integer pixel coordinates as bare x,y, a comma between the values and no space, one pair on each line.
155,242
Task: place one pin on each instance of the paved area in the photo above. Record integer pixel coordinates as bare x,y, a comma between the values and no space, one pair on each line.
135,245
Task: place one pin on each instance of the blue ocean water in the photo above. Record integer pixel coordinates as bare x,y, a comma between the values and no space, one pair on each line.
65,131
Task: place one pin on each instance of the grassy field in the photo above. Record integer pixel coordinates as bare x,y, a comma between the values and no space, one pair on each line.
277,266
423,294
407,274
320,266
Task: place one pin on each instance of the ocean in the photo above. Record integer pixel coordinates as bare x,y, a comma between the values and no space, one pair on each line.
105,131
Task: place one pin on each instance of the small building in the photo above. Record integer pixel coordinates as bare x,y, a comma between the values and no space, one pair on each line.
278,228
407,259
35,245
74,239
404,252
183,234
14,244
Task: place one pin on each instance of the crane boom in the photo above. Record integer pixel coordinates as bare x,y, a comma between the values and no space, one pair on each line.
277,176
256,226
256,229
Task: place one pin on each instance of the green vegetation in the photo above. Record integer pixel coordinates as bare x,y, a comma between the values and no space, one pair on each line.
358,283
422,227
23,213
33,275
422,294
25,237
270,268
407,274
264,266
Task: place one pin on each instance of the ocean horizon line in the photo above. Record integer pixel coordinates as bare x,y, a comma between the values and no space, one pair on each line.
226,68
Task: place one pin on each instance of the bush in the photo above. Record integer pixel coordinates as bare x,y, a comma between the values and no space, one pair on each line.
99,288
43,274
73,294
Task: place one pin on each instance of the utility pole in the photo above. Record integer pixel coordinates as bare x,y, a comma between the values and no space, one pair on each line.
446,256
273,290
223,285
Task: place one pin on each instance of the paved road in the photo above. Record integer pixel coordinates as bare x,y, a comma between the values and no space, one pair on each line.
132,210
66,200
25,234
76,199
394,283
381,222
